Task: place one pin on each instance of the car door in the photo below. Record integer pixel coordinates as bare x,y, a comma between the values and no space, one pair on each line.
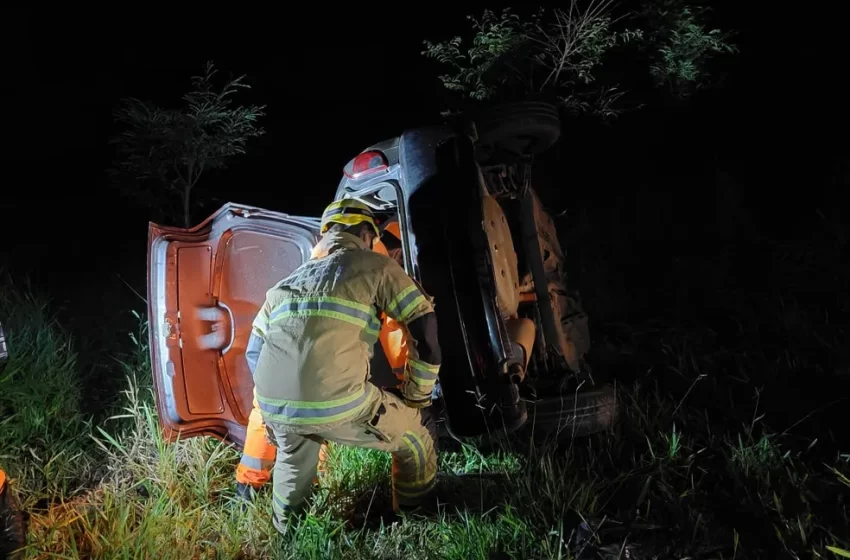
205,286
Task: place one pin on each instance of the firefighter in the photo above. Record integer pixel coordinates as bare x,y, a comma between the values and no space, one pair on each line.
393,338
315,333
12,524
258,454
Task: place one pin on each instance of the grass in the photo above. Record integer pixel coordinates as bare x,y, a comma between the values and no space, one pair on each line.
694,470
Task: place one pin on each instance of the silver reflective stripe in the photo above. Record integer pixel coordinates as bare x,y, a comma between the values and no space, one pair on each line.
257,464
423,373
404,303
314,412
363,316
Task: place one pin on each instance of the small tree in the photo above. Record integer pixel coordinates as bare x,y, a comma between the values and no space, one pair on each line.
681,47
562,53
165,152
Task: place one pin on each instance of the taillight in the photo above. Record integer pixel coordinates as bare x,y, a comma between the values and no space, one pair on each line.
365,164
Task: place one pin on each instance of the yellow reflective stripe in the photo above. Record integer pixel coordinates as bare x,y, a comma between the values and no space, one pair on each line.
279,501
314,412
424,366
411,307
421,478
332,299
330,307
422,481
423,373
409,440
261,323
401,295
405,303
413,491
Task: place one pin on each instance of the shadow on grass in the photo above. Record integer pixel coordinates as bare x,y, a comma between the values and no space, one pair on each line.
457,495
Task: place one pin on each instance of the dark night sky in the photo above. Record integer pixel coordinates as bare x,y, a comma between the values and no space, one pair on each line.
334,82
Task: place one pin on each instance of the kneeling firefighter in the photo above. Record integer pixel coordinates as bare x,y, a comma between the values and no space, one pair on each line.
13,533
315,333
258,454
12,526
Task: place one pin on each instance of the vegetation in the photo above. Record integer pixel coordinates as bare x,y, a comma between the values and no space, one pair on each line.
162,152
570,55
694,470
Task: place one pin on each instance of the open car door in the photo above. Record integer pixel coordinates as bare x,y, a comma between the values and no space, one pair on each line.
205,286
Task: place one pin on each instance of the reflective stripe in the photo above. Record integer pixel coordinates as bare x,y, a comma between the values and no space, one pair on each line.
256,463
421,478
314,412
415,490
363,316
423,481
423,373
280,503
346,210
261,323
405,303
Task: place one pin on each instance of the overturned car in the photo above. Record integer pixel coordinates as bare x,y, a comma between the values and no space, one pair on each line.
474,234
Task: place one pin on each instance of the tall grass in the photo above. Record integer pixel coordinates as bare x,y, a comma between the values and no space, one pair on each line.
42,428
677,479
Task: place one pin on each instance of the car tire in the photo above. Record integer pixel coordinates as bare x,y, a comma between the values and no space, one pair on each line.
574,415
510,132
571,416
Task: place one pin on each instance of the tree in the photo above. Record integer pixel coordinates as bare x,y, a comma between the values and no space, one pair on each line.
163,153
562,54
681,47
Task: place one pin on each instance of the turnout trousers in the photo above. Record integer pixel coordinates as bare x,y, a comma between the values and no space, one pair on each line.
387,425
258,456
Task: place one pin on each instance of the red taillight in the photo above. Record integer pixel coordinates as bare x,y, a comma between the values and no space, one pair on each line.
365,164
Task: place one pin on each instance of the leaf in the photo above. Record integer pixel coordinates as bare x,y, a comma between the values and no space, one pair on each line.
839,551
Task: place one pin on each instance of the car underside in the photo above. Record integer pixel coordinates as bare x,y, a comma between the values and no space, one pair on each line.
483,244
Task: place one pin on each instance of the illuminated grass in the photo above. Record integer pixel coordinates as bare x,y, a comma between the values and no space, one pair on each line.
675,480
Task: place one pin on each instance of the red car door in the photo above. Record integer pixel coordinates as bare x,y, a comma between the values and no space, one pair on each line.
205,286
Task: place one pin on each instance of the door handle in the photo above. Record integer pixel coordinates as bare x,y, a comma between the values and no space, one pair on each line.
232,320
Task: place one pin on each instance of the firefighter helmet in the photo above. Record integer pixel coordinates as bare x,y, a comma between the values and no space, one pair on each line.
348,212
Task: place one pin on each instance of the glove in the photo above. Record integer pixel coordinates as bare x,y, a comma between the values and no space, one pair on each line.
423,403
412,403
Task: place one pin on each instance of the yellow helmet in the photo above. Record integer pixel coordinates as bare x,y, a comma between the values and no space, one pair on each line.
348,212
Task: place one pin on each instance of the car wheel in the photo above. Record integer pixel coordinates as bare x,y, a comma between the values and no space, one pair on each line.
511,132
573,415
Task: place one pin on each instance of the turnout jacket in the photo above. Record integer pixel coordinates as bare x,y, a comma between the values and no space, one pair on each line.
317,328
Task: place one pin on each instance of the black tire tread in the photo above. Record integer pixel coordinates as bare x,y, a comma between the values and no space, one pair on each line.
527,120
577,415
